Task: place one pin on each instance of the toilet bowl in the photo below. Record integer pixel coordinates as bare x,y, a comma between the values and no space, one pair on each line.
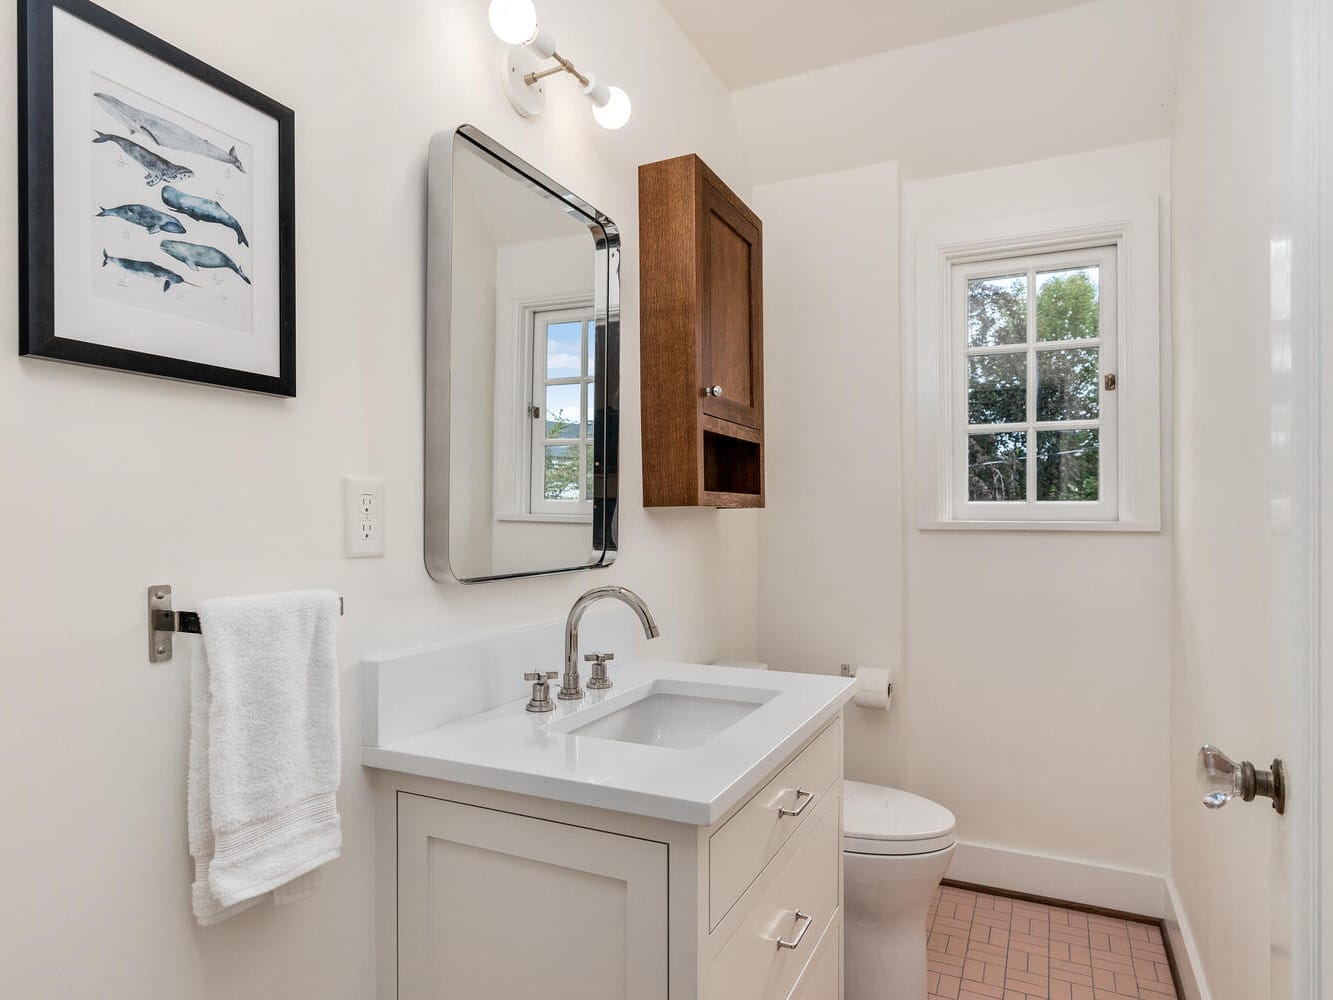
896,848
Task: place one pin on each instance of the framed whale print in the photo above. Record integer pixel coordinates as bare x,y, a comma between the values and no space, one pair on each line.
157,219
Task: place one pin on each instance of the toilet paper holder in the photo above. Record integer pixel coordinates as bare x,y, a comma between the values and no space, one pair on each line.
847,670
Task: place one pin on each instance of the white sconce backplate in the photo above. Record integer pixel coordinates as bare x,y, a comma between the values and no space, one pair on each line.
516,63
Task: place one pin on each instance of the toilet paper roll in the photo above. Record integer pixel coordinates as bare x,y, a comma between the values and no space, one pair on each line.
873,688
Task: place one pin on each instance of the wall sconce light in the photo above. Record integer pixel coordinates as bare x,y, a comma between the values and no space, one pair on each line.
515,22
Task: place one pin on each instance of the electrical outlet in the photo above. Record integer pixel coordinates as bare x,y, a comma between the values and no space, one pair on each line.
363,517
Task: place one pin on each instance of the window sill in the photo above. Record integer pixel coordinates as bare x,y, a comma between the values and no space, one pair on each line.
547,518
1140,527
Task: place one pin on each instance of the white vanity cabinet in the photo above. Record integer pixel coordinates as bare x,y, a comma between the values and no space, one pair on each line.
496,895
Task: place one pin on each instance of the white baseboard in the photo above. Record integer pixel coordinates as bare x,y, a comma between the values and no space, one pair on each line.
1192,980
1135,892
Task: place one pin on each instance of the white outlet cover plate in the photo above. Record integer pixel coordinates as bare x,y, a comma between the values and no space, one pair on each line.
363,517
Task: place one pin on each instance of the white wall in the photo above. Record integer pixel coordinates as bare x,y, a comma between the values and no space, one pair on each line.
1044,732
831,540
1231,138
1038,664
1097,74
119,481
472,399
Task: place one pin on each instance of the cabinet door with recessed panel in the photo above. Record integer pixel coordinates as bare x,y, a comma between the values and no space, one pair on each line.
501,906
731,289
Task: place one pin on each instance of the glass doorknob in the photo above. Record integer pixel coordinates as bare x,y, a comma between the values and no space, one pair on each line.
1221,779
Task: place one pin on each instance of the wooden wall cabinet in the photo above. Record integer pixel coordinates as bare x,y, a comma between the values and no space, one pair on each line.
701,339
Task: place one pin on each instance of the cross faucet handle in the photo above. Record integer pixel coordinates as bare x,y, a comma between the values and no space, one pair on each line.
541,693
599,681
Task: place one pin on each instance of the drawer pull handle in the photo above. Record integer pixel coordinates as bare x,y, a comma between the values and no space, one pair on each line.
801,806
801,933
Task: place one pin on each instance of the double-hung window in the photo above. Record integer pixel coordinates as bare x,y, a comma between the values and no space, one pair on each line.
1035,380
562,411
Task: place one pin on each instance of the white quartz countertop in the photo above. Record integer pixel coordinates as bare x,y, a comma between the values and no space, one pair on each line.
513,750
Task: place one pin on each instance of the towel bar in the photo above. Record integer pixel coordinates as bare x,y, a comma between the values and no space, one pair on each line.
164,621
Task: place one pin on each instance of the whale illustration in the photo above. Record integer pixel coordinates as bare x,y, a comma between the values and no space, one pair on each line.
147,268
158,169
194,256
143,215
165,133
203,210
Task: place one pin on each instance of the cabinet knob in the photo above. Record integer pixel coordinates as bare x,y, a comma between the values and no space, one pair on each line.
713,390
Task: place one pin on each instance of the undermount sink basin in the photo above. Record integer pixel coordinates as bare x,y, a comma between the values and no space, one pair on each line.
679,715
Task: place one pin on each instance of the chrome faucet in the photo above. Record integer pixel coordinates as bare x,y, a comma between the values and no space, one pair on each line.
571,688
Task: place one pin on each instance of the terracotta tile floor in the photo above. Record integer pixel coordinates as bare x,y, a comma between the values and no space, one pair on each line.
984,947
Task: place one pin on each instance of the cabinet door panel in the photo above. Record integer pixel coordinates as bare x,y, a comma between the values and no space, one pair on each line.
732,312
495,905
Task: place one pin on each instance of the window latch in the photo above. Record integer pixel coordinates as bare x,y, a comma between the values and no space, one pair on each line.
534,411
1110,382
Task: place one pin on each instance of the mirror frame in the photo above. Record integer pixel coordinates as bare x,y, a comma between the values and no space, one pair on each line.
438,364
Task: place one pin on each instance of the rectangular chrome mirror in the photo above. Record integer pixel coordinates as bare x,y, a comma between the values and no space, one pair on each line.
522,369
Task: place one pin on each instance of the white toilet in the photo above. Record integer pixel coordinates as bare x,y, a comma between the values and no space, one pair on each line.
896,847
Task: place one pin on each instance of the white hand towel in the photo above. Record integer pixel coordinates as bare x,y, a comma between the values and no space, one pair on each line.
264,749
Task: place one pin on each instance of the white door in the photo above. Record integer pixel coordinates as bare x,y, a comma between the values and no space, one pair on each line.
507,907
1301,304
1253,505
1301,279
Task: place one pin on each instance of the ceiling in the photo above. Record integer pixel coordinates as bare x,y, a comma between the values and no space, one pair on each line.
754,41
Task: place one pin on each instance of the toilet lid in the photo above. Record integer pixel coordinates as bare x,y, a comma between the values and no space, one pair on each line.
879,820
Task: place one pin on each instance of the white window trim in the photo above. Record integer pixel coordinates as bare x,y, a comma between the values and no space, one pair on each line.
513,430
1133,230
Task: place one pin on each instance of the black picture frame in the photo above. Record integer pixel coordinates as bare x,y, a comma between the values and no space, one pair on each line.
37,318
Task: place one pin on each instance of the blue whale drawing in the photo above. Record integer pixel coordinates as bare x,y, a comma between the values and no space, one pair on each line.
158,169
147,268
145,216
165,133
203,210
194,256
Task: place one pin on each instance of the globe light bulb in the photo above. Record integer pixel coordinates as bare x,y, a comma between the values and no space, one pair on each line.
513,21
615,112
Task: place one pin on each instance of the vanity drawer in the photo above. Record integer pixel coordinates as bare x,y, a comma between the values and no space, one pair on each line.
752,965
822,979
741,847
